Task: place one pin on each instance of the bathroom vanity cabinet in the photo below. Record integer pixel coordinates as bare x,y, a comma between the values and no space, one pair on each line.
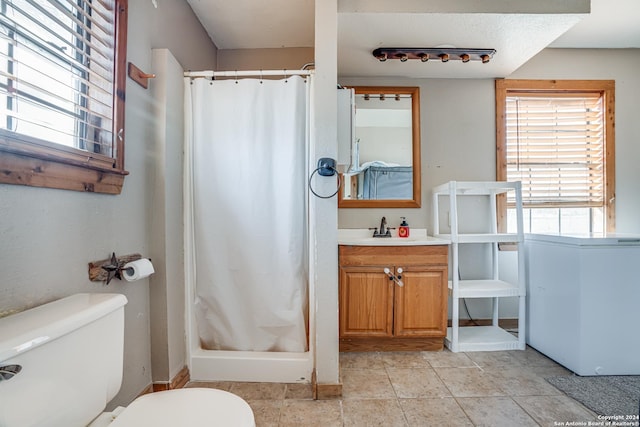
380,313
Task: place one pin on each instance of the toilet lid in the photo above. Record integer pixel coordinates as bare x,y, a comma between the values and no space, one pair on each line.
188,407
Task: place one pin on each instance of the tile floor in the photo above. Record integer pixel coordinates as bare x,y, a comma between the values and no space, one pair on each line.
503,388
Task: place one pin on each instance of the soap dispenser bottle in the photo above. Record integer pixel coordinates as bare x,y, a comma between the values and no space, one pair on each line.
403,230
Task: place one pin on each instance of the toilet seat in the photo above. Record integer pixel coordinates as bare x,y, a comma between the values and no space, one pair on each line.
188,407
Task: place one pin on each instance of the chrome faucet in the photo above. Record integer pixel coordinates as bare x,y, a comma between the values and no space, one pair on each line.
384,231
383,223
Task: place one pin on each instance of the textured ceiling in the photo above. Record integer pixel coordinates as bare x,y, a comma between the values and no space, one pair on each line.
517,29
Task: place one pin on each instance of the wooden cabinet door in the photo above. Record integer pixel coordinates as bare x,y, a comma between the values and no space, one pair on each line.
366,302
420,305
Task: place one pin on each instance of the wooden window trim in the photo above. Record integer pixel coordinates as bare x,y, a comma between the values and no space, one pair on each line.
605,87
25,161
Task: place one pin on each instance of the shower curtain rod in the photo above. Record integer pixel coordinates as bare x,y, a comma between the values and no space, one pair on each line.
260,73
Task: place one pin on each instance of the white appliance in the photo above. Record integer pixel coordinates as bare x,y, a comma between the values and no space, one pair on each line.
583,301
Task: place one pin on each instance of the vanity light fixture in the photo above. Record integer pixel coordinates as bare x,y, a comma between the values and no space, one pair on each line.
426,53
381,57
383,96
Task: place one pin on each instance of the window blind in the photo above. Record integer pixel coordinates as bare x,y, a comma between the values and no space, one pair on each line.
555,147
57,72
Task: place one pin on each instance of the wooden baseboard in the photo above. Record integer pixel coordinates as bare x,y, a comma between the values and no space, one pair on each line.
325,391
179,381
503,323
148,389
391,344
328,391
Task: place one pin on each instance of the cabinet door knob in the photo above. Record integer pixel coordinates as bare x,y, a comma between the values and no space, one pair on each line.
398,278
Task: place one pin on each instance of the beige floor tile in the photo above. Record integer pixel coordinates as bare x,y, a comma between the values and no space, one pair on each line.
443,412
421,389
532,357
552,371
299,391
405,359
414,382
310,413
522,381
361,360
447,359
255,391
366,384
494,359
469,382
549,410
373,412
266,412
220,385
495,412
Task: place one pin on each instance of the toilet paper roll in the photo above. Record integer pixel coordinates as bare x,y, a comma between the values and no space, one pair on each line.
136,270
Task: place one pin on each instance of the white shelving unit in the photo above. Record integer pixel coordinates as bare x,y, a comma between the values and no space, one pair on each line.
482,338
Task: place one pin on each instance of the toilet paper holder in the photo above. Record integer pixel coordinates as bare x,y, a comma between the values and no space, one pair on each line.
107,269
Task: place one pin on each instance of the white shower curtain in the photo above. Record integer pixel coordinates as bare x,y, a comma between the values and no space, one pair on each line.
245,214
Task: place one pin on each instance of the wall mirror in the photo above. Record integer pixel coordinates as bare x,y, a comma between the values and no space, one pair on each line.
385,150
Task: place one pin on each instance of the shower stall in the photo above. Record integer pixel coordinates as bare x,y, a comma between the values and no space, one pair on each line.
246,219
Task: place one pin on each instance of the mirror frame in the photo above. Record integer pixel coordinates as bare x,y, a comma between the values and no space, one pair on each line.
414,91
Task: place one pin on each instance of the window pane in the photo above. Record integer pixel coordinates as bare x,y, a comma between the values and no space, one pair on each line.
575,220
545,220
58,72
512,221
597,220
555,147
555,136
62,62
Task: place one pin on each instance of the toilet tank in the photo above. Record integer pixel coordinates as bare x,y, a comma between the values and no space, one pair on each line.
69,353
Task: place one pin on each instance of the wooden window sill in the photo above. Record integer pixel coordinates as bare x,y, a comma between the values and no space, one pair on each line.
20,169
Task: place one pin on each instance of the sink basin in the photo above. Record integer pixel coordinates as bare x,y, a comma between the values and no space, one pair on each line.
363,237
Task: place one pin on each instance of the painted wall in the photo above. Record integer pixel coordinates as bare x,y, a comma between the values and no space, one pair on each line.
167,285
458,136
458,128
47,237
458,142
292,58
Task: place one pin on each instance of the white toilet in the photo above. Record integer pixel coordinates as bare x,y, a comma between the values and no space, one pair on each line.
61,363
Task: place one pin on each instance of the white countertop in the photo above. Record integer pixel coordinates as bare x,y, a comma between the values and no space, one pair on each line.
587,239
364,237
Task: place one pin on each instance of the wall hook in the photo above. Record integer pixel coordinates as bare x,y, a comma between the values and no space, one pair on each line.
139,76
